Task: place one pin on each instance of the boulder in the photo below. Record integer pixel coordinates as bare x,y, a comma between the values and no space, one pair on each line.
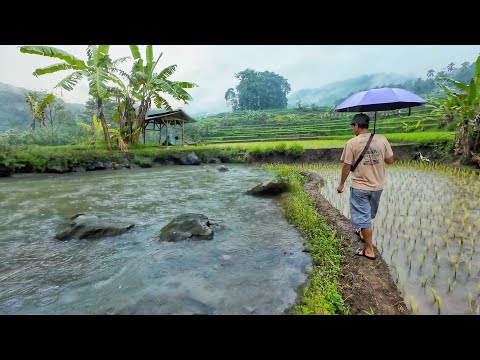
272,187
187,227
92,227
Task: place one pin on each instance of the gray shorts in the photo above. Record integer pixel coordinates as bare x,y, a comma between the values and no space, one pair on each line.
363,207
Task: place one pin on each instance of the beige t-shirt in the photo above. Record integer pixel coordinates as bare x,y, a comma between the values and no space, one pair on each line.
370,172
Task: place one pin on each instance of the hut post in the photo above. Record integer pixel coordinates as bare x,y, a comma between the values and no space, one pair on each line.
183,132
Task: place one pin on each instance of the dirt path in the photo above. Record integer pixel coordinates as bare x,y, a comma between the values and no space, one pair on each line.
366,285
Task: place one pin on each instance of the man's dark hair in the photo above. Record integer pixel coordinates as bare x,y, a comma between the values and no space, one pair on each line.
361,120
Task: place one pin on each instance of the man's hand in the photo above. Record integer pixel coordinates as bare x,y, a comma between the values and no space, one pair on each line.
340,189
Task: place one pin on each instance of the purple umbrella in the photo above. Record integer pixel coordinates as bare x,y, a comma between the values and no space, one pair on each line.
380,99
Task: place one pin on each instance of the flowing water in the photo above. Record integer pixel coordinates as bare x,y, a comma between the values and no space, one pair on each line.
252,265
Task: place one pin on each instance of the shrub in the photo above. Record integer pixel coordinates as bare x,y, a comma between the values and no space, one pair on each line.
295,149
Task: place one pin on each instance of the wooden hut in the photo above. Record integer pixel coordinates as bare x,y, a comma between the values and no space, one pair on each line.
170,120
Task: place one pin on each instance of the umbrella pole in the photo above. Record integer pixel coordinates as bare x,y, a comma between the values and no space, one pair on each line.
374,122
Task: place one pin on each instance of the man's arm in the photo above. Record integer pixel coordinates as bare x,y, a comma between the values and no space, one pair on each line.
390,160
345,172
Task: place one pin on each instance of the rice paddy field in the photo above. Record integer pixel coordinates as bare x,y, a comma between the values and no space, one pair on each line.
427,230
329,142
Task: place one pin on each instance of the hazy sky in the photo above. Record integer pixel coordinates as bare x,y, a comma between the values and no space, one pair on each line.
212,67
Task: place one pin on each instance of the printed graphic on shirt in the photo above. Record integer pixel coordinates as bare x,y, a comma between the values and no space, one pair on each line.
372,157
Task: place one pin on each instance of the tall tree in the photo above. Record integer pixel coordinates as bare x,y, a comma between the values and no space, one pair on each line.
97,70
430,74
261,90
231,98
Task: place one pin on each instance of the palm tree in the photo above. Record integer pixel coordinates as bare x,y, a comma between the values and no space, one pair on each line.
97,70
148,85
430,74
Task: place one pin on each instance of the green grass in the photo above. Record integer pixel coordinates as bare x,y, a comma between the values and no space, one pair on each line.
321,295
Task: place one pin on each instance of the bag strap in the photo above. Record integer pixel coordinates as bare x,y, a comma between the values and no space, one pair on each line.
352,169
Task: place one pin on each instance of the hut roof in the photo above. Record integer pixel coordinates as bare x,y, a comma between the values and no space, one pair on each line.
154,115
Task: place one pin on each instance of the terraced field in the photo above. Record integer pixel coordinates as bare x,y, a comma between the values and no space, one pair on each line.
301,126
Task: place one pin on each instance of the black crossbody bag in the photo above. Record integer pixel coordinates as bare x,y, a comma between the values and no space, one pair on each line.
352,169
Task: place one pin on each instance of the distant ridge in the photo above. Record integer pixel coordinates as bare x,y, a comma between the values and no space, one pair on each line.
14,111
329,94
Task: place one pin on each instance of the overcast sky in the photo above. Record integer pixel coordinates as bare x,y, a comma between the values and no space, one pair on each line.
212,67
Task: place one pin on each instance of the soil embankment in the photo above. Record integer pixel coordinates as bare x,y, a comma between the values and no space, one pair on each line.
401,152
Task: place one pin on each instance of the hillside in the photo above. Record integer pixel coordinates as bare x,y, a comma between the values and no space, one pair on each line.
14,111
295,124
328,95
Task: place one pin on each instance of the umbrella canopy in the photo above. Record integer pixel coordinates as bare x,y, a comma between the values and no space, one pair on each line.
380,99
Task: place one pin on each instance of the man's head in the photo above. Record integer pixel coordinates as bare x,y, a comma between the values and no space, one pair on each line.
359,122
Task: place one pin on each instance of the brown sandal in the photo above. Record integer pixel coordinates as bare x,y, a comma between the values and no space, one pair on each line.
361,252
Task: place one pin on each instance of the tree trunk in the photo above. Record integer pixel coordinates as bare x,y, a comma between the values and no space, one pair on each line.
142,112
101,117
129,116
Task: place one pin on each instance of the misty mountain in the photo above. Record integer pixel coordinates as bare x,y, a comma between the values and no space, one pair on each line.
14,111
328,94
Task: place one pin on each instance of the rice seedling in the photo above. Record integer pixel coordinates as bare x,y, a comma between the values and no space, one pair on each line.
413,305
471,303
434,270
439,305
455,267
394,250
421,260
452,260
451,284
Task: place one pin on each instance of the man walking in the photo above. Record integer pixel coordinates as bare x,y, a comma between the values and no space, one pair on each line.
368,178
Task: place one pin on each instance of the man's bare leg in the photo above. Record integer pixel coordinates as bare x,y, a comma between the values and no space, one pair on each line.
367,237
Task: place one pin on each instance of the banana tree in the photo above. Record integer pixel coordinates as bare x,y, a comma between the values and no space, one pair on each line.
38,107
97,70
147,86
466,104
96,129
